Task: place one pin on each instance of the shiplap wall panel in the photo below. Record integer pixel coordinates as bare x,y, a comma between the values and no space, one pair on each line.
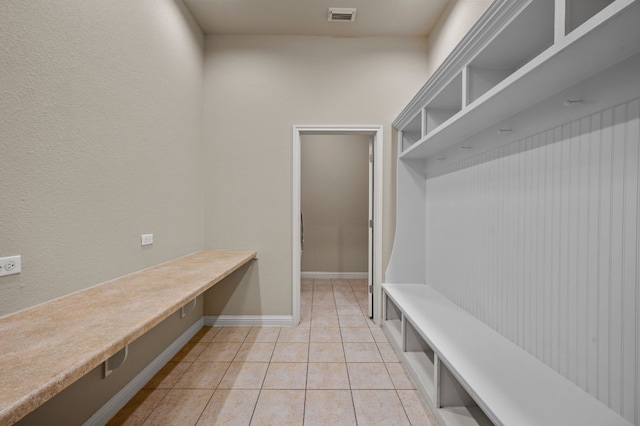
540,239
630,258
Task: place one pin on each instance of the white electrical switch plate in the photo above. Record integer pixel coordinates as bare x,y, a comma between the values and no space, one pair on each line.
146,239
10,265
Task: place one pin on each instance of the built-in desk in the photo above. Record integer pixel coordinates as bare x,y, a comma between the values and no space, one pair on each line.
46,348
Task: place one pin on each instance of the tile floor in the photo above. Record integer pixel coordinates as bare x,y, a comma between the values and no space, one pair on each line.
335,368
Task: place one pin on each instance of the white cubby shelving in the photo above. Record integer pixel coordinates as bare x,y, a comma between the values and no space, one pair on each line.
412,132
456,405
573,58
525,66
522,39
471,375
420,357
520,53
577,12
393,321
443,106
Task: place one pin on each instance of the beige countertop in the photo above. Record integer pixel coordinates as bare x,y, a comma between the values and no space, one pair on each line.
46,348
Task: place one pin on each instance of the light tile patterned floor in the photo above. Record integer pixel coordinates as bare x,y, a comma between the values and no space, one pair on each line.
336,368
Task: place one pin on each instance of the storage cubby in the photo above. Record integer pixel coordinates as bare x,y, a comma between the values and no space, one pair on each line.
515,70
420,357
517,56
412,132
455,405
393,320
446,104
524,38
577,12
470,375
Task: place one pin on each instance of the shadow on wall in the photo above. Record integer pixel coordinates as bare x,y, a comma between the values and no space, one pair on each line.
237,294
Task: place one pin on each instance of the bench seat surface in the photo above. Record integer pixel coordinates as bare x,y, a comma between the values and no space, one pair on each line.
509,384
46,348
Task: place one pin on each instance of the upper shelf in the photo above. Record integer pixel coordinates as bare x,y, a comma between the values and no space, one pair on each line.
517,55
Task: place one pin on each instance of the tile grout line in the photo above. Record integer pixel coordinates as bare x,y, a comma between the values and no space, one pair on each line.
362,311
346,366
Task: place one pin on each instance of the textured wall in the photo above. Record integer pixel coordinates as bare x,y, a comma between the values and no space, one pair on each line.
542,243
335,202
100,141
454,23
256,89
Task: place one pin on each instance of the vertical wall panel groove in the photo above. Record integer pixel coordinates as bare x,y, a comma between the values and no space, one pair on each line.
631,254
540,239
635,135
592,306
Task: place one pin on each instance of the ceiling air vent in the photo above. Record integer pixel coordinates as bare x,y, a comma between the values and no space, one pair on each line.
341,14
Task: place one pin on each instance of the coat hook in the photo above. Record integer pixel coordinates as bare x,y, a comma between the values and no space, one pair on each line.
570,102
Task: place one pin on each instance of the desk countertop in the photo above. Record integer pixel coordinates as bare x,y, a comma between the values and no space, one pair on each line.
46,348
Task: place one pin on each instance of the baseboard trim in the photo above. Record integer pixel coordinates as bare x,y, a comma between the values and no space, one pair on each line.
336,275
249,320
119,400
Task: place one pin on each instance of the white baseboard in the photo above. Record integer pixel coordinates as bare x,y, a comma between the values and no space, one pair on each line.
249,320
336,275
119,400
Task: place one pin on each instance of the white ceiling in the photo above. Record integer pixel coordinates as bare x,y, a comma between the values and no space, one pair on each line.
396,18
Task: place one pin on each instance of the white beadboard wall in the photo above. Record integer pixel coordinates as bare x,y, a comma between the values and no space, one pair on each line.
540,239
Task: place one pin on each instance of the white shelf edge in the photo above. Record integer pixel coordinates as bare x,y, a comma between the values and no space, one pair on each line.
488,25
514,86
464,416
423,368
407,296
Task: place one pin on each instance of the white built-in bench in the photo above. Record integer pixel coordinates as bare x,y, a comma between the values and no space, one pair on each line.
472,375
96,325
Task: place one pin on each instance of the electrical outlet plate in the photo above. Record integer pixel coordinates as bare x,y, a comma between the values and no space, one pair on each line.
10,265
146,239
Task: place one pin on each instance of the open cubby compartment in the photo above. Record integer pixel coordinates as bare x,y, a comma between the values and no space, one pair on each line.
393,320
527,35
412,132
444,105
454,403
577,12
420,358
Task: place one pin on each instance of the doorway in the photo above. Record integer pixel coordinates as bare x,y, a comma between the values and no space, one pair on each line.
375,210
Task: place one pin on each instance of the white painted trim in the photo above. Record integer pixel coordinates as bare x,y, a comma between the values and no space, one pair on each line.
377,132
335,275
485,29
248,320
119,400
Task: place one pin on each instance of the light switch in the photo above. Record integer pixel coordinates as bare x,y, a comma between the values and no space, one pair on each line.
146,239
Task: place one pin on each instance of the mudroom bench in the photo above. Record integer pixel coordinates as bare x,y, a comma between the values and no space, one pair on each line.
471,375
46,348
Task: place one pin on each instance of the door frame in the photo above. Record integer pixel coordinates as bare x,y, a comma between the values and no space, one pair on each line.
376,131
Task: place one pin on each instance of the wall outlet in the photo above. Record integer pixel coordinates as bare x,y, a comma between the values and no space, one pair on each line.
10,265
146,239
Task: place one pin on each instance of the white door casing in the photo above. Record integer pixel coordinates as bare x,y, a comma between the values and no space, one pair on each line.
376,258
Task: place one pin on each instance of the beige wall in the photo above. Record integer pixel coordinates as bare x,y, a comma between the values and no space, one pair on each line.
100,141
256,88
454,23
335,202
